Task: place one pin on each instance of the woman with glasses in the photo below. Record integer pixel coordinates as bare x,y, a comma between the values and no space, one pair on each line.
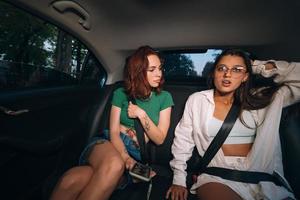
253,143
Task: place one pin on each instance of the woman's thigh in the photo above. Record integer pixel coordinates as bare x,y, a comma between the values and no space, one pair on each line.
210,191
105,153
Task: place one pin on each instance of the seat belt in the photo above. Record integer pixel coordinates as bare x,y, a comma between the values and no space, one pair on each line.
232,174
147,150
247,176
221,136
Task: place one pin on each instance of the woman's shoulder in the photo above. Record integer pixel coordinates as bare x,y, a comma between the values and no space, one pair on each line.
204,94
165,93
165,99
120,93
120,89
165,96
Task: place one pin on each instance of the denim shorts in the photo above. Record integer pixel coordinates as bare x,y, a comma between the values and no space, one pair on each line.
130,145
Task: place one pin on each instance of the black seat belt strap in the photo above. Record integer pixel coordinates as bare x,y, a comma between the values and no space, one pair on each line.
144,148
247,176
221,136
231,174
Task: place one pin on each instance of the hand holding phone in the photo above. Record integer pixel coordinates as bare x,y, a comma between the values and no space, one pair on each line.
129,163
141,172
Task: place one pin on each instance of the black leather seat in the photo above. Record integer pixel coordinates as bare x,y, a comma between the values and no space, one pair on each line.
290,141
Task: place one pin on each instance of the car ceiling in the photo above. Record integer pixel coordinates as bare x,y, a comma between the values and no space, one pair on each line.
114,28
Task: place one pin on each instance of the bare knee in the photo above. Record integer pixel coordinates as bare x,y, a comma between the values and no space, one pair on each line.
76,178
113,166
106,160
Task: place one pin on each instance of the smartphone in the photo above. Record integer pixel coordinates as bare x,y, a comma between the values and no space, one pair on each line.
141,172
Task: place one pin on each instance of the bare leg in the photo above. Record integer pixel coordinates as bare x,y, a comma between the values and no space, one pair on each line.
72,183
108,167
215,191
94,182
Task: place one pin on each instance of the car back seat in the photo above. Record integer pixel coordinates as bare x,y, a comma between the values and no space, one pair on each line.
289,130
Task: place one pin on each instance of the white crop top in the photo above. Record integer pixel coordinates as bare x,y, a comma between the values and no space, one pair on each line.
239,134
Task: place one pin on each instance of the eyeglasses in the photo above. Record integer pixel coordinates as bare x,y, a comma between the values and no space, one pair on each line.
236,71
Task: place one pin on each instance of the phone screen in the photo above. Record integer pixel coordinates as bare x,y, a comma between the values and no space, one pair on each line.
141,171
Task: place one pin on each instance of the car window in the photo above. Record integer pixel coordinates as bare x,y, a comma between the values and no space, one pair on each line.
185,65
37,54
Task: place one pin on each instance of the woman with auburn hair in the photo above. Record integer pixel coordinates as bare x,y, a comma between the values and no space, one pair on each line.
108,155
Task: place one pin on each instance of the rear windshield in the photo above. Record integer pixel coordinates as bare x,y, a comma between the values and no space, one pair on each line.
187,65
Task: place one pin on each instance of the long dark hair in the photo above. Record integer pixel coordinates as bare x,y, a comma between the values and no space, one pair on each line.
135,74
249,96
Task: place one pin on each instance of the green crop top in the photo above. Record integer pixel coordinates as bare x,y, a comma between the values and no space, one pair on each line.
151,106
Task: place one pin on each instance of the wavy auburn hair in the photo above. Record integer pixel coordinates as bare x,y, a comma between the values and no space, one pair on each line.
135,74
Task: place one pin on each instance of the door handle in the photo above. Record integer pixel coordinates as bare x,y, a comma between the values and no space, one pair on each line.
13,112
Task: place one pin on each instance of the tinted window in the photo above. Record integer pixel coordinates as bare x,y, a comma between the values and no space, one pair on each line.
186,65
35,54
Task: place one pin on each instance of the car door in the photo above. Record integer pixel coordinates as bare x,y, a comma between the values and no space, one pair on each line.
49,85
